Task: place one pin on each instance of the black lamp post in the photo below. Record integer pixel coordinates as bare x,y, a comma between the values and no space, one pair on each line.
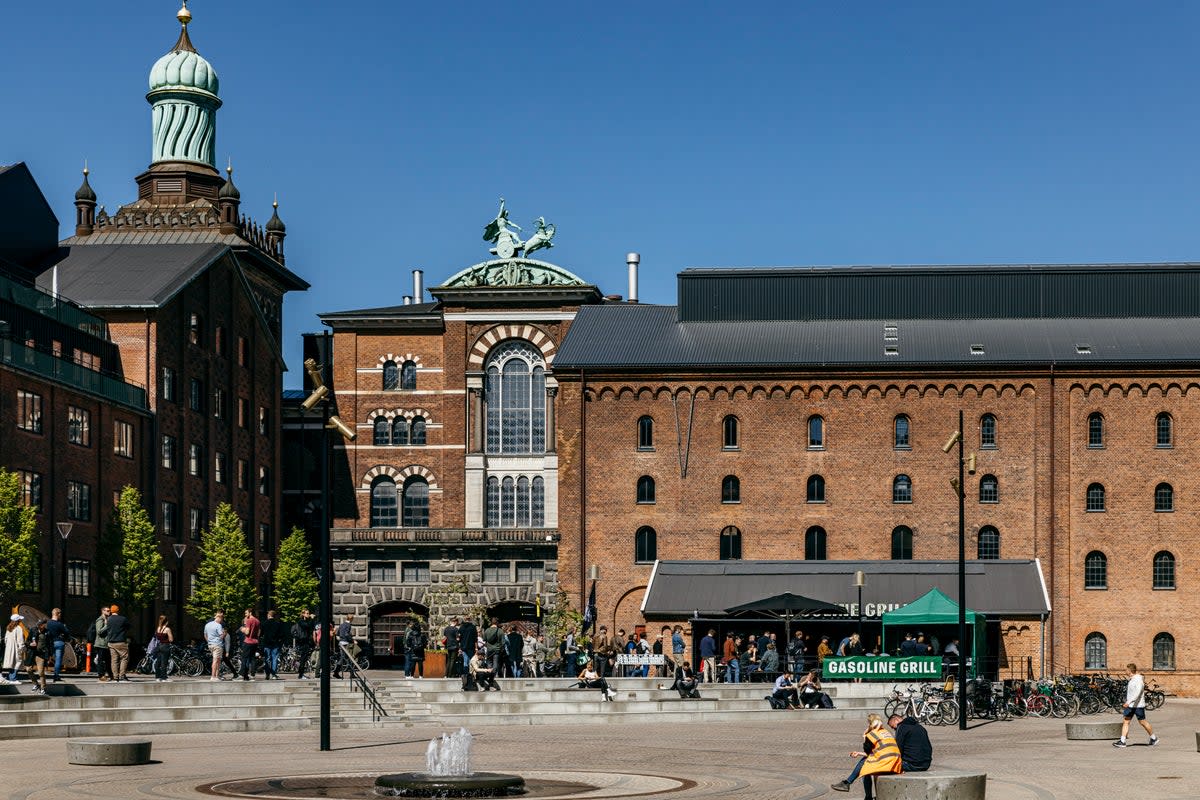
860,580
64,530
180,549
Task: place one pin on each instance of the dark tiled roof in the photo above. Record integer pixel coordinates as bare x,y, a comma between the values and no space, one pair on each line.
129,275
401,311
644,337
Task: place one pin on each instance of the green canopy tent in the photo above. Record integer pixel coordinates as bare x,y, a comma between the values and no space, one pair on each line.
935,608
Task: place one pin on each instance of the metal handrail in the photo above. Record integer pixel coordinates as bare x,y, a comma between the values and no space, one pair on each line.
356,680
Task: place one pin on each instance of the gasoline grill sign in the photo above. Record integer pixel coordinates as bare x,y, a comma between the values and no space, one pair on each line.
883,668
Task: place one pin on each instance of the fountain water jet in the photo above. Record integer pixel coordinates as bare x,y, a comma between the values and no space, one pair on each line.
448,774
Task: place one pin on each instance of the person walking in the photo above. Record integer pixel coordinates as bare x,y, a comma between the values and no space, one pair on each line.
345,644
117,631
42,647
302,634
1134,706
414,650
514,647
468,641
163,639
214,636
14,647
272,642
879,755
251,630
97,635
58,640
678,647
708,656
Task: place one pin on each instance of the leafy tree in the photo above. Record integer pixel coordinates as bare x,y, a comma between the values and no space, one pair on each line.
141,564
225,578
295,581
560,617
18,535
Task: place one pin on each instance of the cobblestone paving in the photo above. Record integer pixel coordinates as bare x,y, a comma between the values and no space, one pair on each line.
786,756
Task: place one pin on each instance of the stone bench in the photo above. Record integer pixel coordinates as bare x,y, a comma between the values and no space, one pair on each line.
108,752
935,784
1094,730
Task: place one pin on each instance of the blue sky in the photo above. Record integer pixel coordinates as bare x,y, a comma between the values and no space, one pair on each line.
699,134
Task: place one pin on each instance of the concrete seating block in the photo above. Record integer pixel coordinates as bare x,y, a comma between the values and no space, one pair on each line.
935,784
1094,730
108,752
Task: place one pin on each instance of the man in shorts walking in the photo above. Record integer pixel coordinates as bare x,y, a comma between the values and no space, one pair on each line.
214,635
1135,706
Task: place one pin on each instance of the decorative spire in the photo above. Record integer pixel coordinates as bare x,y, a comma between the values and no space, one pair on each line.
275,224
85,194
228,190
184,44
85,206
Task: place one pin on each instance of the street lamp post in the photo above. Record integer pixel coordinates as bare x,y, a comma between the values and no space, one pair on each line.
860,580
180,549
64,530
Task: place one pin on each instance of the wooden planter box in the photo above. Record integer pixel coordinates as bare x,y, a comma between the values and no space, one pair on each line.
435,663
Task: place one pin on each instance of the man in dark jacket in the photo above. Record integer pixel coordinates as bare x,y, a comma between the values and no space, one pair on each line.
453,659
493,639
916,753
468,640
118,643
273,632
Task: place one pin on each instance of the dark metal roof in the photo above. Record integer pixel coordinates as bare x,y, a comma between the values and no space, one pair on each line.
629,336
1009,588
129,275
414,315
410,310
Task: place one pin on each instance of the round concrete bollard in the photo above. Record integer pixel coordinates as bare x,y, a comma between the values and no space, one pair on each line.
936,784
1094,730
115,752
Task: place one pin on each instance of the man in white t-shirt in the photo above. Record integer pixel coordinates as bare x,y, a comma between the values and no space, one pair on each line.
214,636
1135,706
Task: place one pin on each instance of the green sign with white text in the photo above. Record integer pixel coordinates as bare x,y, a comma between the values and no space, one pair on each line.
883,668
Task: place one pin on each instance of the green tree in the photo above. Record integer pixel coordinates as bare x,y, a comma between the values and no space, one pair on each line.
141,564
225,578
295,581
18,535
560,617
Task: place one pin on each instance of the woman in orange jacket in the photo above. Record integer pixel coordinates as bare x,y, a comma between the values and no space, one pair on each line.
879,755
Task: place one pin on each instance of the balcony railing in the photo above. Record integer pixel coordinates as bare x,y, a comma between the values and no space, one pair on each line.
443,535
48,305
17,355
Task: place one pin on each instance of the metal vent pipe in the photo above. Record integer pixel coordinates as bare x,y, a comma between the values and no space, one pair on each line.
408,299
633,259
418,286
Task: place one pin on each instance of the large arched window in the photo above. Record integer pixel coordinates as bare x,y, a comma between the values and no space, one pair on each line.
1095,429
400,431
391,376
1095,570
1095,497
1095,651
645,545
1164,570
383,502
902,489
815,492
900,438
537,503
515,390
989,543
416,503
408,375
515,502
492,502
902,544
1164,434
729,432
508,502
1164,497
1164,652
989,489
731,489
731,543
645,433
816,432
382,432
417,431
987,431
645,489
814,544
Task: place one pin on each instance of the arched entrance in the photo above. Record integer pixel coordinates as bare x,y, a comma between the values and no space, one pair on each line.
388,623
518,611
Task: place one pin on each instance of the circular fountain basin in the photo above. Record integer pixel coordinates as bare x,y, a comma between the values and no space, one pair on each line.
477,784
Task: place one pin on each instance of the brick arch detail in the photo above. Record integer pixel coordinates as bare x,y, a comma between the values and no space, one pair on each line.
533,334
397,412
398,475
629,604
400,359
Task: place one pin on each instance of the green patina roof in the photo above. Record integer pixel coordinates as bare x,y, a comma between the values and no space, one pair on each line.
513,272
184,69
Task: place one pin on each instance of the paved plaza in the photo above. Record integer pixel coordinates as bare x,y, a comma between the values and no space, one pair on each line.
785,756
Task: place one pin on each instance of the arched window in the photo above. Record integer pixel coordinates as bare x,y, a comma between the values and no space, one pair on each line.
902,489
645,545
515,391
1164,652
537,501
1095,570
1095,651
816,432
417,431
1164,435
731,489
645,489
400,431
383,502
382,432
987,430
902,544
816,489
508,503
1095,429
731,543
1095,497
522,519
814,544
408,375
1164,497
645,433
1164,570
515,502
492,502
729,432
989,543
900,439
391,376
416,503
989,489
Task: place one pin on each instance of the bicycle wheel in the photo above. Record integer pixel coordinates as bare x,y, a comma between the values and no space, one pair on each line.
1003,712
363,662
1016,707
948,712
894,707
1155,699
191,666
1039,705
1059,707
1090,704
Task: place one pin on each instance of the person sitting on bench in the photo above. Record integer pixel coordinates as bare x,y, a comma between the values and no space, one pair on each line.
811,695
481,670
785,695
590,679
685,682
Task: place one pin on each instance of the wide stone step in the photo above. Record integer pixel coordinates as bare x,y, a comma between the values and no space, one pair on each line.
143,727
76,715
613,715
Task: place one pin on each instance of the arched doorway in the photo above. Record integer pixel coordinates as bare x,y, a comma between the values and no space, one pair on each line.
518,611
388,623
